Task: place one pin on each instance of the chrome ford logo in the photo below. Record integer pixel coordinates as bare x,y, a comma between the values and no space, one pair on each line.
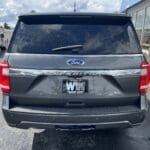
75,61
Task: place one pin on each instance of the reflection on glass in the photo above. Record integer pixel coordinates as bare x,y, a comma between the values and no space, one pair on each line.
95,38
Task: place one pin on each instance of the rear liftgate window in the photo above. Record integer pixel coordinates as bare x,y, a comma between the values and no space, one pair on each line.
74,38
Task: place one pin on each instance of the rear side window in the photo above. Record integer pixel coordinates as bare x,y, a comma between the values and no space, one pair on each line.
86,39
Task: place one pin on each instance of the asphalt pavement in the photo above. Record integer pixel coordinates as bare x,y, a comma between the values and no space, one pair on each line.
137,138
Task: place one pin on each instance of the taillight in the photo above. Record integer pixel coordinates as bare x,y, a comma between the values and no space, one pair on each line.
4,77
145,77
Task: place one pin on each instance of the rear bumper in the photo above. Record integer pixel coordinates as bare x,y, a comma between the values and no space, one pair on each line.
27,120
22,117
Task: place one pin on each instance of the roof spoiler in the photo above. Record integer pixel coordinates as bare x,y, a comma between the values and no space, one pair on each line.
73,17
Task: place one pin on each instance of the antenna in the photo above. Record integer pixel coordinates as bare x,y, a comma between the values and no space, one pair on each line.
75,5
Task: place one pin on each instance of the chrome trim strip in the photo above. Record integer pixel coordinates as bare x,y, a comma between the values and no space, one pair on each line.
72,56
34,72
103,124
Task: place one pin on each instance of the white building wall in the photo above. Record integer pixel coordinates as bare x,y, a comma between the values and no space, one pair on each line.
139,20
140,6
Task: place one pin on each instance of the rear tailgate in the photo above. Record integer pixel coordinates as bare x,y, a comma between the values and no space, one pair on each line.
111,80
108,61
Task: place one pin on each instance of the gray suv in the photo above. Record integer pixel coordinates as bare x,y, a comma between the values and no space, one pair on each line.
74,71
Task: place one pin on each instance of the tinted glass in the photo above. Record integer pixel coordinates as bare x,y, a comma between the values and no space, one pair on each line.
95,39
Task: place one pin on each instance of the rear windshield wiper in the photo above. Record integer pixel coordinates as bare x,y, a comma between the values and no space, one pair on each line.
67,47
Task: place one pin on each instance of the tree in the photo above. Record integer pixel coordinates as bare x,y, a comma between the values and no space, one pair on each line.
6,26
32,11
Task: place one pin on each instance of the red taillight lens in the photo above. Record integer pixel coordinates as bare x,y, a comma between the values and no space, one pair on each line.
145,77
4,77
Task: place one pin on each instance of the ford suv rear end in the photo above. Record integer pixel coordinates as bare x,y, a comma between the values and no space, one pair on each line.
74,70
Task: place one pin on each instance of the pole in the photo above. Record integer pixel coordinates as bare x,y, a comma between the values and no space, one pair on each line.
75,10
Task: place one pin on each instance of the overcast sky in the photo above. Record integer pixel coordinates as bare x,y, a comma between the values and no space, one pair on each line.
10,9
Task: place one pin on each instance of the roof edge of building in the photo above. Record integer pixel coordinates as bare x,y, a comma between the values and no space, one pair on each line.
133,5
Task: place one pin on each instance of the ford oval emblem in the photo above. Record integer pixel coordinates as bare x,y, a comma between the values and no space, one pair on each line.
75,61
